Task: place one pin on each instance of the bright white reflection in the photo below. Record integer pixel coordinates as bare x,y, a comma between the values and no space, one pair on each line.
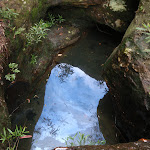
70,106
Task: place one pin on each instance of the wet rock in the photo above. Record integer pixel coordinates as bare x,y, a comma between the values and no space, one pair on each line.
107,121
127,74
62,36
58,38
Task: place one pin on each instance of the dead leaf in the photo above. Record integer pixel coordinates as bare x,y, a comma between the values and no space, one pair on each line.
59,55
25,137
35,96
28,100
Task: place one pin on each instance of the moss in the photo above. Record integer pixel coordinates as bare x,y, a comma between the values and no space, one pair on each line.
117,5
30,12
38,12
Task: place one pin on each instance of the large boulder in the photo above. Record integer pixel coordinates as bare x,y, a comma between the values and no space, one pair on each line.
116,14
58,37
127,73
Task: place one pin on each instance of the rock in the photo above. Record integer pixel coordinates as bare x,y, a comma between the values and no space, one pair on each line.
58,38
139,145
116,14
4,116
127,74
62,36
78,3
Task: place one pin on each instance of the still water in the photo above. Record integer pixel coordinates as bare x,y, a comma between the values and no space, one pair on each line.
70,106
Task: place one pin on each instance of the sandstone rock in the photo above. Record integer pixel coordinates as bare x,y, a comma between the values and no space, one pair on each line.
127,75
116,14
58,38
139,145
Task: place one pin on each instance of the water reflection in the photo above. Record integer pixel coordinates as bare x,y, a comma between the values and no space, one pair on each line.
70,106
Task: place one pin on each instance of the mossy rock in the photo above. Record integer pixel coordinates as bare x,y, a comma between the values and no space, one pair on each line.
127,75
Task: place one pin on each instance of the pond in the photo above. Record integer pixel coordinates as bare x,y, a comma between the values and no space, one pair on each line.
72,96
70,106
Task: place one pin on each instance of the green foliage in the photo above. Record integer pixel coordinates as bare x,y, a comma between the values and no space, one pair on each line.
37,33
60,19
70,140
38,11
35,13
141,9
33,59
145,30
10,77
19,31
54,20
7,13
97,143
81,139
8,136
14,69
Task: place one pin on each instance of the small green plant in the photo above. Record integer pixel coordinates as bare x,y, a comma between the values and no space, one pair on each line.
70,140
60,19
33,59
141,9
7,13
97,143
10,77
19,31
145,30
82,139
37,33
12,138
51,19
14,69
54,20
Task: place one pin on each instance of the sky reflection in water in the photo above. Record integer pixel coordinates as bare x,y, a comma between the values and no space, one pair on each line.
70,106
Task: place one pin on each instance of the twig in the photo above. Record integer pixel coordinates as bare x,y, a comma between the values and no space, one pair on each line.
17,142
16,108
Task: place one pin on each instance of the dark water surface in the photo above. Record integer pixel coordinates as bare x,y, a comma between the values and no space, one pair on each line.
91,52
